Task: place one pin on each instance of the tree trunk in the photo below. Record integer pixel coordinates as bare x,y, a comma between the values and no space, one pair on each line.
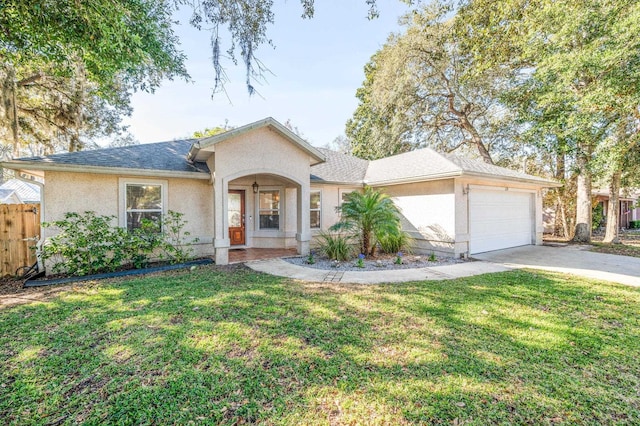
583,202
613,211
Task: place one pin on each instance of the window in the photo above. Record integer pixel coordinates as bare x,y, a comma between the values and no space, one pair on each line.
315,209
269,209
140,200
344,195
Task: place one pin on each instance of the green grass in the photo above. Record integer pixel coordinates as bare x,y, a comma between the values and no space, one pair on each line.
229,347
620,249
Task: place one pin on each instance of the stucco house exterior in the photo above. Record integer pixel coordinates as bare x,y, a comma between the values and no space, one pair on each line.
262,186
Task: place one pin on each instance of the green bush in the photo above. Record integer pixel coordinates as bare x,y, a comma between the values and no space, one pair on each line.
369,215
597,217
336,246
634,224
392,243
88,243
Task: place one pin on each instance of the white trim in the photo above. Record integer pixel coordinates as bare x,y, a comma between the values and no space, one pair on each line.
281,209
319,210
122,195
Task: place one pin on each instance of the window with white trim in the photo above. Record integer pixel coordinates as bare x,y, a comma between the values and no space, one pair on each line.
142,200
315,208
269,208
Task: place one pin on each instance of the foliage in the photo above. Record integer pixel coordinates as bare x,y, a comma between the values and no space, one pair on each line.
336,246
432,257
597,216
574,72
173,245
371,215
211,131
396,242
634,224
311,258
88,243
42,111
421,88
398,260
360,260
232,346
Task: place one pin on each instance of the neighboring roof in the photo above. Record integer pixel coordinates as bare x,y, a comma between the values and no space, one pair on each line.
28,192
339,168
426,164
267,122
9,196
168,158
626,194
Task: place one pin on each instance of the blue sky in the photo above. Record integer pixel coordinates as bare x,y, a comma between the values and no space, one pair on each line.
317,66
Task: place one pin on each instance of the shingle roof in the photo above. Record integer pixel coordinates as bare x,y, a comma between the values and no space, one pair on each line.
422,164
426,163
28,192
339,168
166,156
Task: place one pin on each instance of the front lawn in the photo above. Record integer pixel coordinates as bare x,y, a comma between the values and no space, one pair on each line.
233,346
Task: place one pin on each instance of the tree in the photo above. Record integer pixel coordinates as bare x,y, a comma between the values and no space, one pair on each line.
133,40
575,72
371,214
42,112
421,88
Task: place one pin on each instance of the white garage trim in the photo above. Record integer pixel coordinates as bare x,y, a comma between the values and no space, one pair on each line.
500,218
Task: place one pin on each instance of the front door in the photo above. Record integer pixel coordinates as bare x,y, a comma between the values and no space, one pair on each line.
235,211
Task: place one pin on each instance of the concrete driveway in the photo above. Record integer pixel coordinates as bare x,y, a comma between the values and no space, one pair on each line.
571,259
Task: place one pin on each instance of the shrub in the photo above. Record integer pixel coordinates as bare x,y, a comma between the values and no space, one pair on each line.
396,242
597,217
88,243
336,246
634,224
369,215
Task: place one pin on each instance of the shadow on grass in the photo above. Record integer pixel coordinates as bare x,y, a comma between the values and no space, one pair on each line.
231,347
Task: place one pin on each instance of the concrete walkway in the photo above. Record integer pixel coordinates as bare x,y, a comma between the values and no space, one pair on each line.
571,259
283,268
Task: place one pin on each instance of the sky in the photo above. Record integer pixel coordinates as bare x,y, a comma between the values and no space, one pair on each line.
315,69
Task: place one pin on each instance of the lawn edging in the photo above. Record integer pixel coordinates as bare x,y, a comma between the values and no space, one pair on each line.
129,272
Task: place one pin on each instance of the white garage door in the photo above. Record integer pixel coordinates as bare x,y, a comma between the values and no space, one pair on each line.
499,219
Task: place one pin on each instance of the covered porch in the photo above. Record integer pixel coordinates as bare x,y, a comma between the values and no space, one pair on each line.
261,188
249,254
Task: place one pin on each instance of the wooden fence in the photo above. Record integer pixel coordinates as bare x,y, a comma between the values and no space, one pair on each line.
19,232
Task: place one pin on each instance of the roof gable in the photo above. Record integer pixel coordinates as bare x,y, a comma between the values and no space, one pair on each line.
28,192
199,149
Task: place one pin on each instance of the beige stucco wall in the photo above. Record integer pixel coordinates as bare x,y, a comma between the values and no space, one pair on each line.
428,214
269,158
80,192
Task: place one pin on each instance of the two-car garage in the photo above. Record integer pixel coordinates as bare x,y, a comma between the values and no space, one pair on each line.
500,218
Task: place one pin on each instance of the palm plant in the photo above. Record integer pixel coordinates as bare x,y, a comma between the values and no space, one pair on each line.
370,214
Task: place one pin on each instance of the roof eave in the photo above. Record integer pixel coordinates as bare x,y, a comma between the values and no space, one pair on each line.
74,168
546,183
414,179
330,182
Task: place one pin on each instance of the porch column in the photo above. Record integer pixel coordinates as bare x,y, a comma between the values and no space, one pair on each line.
303,234
221,241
